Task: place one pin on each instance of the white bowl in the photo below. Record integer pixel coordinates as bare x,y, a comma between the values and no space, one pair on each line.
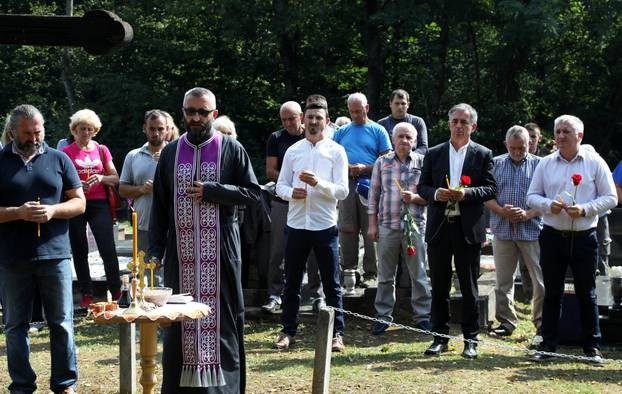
158,295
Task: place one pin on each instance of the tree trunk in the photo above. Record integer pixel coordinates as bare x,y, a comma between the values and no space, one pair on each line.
289,39
65,72
376,54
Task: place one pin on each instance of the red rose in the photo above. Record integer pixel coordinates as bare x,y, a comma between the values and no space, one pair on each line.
465,180
576,179
411,250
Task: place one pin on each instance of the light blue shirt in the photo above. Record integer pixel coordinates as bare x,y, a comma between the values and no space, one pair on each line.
363,143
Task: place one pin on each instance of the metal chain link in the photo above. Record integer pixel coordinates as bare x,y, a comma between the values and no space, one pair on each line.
478,342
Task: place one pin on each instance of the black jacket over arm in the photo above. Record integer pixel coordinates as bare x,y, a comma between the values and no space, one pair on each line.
479,166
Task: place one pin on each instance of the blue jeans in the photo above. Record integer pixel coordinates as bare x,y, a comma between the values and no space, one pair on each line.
53,279
555,257
298,245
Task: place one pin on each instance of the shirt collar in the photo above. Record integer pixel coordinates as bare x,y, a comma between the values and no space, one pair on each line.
580,154
462,148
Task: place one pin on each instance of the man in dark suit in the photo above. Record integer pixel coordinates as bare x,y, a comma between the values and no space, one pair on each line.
457,177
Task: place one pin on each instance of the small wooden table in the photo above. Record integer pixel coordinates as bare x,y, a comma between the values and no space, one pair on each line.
149,322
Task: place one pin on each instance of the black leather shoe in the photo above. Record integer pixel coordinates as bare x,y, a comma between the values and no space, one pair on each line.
469,351
543,357
379,328
502,331
437,347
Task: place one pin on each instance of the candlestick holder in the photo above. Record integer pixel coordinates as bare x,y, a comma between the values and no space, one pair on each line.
134,308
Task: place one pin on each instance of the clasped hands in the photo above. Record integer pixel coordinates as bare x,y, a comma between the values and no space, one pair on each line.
445,195
514,214
574,211
307,177
32,211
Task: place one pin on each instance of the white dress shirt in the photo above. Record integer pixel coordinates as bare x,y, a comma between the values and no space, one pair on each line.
552,181
456,162
329,162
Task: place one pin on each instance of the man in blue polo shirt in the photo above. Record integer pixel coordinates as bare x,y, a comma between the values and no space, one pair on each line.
364,141
39,191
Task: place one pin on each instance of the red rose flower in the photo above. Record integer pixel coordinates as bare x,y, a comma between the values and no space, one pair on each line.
465,180
411,250
576,179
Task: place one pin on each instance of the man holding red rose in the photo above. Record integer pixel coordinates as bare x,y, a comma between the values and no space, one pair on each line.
571,187
392,194
456,178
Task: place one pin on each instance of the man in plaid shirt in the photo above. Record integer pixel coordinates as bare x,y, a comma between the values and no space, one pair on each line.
516,229
393,191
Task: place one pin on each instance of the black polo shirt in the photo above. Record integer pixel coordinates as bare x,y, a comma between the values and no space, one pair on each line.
47,176
277,145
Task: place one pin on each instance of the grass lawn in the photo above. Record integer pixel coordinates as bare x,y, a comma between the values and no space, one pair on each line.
392,363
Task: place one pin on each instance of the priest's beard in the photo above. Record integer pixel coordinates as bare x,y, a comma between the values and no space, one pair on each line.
199,132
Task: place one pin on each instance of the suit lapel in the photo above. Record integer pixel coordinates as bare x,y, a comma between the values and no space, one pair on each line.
469,159
444,158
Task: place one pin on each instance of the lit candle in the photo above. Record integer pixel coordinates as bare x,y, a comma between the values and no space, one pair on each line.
152,267
134,235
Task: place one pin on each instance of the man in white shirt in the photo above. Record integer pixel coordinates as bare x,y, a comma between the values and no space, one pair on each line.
571,187
313,177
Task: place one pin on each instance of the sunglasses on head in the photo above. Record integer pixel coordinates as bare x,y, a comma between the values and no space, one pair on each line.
201,111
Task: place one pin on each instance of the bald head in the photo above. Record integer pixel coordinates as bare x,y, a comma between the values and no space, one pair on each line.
291,117
358,108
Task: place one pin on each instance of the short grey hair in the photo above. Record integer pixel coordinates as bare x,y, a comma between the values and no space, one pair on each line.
357,97
517,131
575,123
200,92
22,111
466,108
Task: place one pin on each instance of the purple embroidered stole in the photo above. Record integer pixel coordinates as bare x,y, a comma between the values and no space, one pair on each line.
198,241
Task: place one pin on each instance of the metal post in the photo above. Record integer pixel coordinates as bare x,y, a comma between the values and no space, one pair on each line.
323,351
127,358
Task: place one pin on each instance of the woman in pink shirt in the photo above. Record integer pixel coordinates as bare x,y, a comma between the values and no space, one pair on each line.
96,169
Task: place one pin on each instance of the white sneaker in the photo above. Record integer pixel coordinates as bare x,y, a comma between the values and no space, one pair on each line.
536,341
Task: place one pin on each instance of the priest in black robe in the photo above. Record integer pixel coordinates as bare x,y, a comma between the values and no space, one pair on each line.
200,180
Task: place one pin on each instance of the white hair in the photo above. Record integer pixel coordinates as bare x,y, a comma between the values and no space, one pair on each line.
575,123
357,98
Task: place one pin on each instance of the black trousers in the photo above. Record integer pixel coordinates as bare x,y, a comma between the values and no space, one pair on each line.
97,215
448,243
558,250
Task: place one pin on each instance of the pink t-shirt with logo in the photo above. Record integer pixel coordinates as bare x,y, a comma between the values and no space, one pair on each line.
89,162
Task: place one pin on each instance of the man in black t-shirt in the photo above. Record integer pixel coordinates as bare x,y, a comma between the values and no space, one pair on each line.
39,191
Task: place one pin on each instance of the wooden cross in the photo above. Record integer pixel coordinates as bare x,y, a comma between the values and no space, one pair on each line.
98,31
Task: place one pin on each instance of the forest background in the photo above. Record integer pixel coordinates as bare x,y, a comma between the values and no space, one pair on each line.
514,61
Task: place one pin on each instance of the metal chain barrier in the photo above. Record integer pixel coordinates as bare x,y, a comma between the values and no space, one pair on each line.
479,342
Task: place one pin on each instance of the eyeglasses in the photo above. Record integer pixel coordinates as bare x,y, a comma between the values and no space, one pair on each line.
201,111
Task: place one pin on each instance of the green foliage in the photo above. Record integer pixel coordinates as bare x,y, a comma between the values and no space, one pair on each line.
515,61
